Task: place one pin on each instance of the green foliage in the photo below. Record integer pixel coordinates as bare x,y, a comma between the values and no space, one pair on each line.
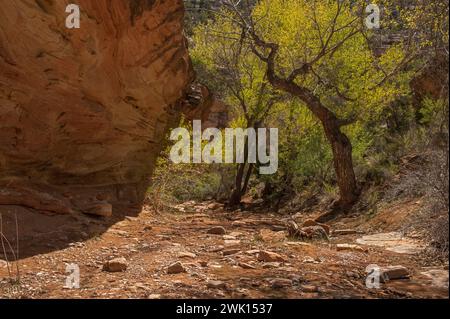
431,110
304,154
175,183
227,67
345,79
351,80
427,20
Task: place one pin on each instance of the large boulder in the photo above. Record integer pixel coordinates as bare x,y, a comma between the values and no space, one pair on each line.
83,112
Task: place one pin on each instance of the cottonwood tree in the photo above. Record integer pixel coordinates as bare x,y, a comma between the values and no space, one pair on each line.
317,51
229,68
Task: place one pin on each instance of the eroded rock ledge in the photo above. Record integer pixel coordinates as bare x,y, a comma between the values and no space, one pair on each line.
83,112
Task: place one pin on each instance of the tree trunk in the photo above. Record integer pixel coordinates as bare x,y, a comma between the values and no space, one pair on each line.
340,143
236,194
247,179
342,157
343,164
239,190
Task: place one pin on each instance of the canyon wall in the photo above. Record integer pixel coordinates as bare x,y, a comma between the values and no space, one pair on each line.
84,112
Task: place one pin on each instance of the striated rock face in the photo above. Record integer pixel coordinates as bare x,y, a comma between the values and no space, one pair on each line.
201,104
432,81
83,112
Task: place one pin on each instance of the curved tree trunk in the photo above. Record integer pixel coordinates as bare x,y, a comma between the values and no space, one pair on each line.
242,178
342,152
236,193
340,143
343,164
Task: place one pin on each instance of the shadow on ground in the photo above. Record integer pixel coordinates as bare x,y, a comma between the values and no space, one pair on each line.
41,233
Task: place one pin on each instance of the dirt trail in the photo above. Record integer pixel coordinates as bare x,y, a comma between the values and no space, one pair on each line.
216,265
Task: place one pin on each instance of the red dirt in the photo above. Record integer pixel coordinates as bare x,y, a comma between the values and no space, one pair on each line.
151,242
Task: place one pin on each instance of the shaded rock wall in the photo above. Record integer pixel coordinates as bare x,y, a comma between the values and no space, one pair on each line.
432,81
83,112
201,104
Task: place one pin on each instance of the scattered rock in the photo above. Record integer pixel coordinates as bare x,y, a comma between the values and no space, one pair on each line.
278,228
203,263
268,235
235,234
230,243
214,206
77,244
181,284
119,232
310,260
246,266
197,275
186,254
393,273
296,279
352,274
139,286
101,209
281,283
342,247
343,232
314,232
198,216
176,268
394,241
217,230
297,243
164,237
115,265
271,265
312,223
237,223
3,263
200,208
229,237
148,228
216,249
439,277
268,256
306,233
154,296
216,284
309,288
229,252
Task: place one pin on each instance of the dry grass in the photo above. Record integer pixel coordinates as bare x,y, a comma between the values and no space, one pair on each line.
12,265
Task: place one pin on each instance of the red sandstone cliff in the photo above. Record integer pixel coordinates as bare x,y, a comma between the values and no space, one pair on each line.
83,112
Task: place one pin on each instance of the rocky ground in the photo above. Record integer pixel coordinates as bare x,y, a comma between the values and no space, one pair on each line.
201,250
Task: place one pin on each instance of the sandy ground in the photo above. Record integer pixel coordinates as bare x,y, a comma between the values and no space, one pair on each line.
215,266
